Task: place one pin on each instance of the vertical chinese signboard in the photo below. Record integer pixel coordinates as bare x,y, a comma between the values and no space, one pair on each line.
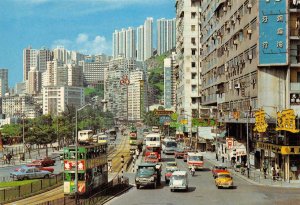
273,36
229,143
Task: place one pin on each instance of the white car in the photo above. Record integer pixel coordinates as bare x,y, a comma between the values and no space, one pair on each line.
179,181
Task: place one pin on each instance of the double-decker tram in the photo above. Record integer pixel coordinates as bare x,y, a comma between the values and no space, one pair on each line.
92,168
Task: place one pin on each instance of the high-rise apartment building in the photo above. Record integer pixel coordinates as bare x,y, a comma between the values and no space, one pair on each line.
34,82
93,71
3,81
140,43
124,43
148,38
130,43
188,53
56,74
17,105
136,95
44,55
75,75
170,82
166,35
30,59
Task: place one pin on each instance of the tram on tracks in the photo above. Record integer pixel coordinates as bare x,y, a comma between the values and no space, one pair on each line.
92,168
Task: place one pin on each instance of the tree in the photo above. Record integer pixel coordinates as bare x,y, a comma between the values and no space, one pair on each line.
151,119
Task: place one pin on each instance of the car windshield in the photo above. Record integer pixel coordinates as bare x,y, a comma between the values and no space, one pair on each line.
224,176
196,158
178,177
179,150
171,169
171,144
146,170
22,170
152,156
222,168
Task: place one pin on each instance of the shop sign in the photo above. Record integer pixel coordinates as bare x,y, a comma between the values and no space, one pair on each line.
260,121
163,112
164,119
184,121
71,165
286,121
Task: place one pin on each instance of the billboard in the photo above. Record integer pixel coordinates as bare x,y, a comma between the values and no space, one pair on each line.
273,36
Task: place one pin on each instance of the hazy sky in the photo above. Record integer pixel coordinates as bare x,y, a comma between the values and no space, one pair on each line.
82,25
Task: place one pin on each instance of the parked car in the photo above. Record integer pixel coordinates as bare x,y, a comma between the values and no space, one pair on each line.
224,179
29,173
39,166
218,168
169,172
47,161
179,153
171,164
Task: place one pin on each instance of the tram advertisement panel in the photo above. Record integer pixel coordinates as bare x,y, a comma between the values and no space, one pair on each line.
71,165
71,187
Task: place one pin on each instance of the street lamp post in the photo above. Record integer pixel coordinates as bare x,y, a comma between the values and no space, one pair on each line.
23,136
248,160
76,152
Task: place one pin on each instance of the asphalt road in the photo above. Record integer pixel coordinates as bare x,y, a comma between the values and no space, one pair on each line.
202,190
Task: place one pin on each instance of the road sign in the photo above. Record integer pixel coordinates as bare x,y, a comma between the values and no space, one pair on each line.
163,112
164,119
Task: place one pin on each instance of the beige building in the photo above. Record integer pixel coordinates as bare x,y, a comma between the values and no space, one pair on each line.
57,98
56,74
34,81
75,75
188,58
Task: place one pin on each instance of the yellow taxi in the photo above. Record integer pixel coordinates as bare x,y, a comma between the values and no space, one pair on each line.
224,180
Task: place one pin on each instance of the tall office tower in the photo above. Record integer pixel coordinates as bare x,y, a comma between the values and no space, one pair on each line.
30,59
34,81
166,35
130,43
56,98
44,55
135,95
115,92
148,38
4,81
93,72
140,43
60,54
75,75
170,82
56,74
188,52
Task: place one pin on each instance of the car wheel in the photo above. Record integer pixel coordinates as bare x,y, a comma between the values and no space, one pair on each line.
46,176
25,178
137,186
154,185
219,187
172,190
187,188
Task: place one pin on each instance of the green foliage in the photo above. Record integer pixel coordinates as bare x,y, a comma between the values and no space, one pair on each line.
150,119
16,183
11,130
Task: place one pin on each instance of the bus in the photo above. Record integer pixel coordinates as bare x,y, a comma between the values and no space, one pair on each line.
85,135
169,146
100,138
153,147
195,159
92,168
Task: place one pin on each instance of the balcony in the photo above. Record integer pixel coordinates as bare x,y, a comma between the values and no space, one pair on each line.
295,60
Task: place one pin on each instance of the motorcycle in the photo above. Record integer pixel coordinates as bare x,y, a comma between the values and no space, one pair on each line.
192,170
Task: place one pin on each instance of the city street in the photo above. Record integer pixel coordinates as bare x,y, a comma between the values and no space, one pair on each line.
202,190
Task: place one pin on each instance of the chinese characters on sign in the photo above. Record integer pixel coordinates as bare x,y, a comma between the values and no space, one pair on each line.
286,121
71,165
229,143
260,121
272,32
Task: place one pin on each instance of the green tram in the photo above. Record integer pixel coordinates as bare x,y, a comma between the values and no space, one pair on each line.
92,168
133,136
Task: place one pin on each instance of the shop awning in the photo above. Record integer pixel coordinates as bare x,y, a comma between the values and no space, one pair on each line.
205,133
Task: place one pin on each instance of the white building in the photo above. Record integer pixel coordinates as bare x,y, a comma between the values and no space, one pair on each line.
124,43
135,95
44,55
166,35
170,82
57,98
148,38
188,52
56,74
130,43
75,75
17,105
140,43
94,71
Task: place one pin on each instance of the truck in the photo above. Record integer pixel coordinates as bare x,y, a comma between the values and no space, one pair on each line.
148,174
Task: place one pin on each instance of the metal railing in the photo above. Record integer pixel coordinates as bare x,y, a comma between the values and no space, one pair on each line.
19,192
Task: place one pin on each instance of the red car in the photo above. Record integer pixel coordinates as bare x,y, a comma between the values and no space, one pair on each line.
151,158
218,168
169,172
38,165
47,161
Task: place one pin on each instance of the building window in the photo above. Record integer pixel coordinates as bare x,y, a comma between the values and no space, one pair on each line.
193,64
194,100
193,15
298,77
193,41
193,51
193,27
194,75
194,88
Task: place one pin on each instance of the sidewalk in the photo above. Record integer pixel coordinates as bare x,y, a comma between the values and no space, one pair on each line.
255,177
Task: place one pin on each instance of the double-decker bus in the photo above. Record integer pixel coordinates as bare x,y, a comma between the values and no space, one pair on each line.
153,147
100,138
85,135
92,168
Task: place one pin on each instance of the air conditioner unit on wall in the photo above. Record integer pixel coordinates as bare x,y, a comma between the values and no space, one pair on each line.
235,42
237,86
250,57
249,31
225,8
249,6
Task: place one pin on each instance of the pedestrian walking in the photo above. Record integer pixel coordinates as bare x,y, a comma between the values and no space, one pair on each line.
223,159
9,156
273,173
265,172
4,158
217,157
137,152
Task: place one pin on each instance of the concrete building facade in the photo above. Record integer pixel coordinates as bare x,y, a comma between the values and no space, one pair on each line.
34,83
148,38
166,35
170,82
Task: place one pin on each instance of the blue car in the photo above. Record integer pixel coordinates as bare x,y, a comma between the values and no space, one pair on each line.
29,173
